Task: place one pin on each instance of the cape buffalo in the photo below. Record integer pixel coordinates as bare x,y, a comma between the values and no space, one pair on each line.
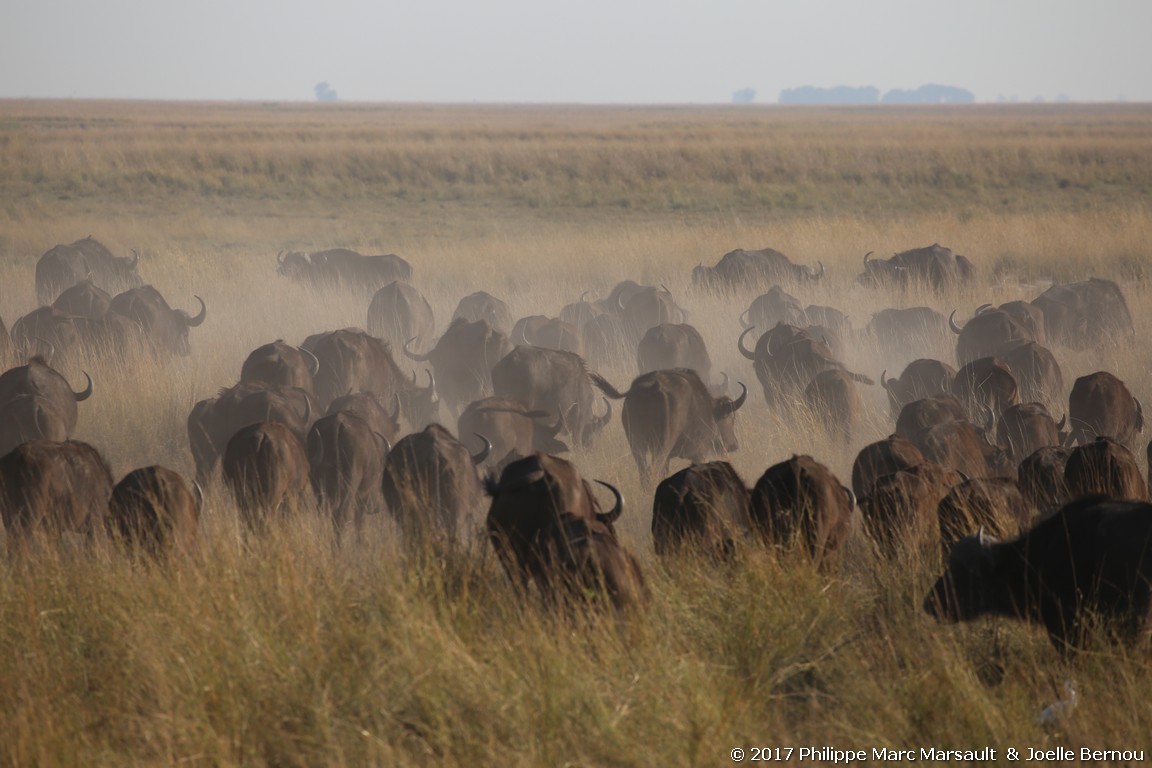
346,464
1086,315
965,448
462,360
800,501
703,507
1041,479
1025,428
987,334
1104,467
920,379
673,345
934,266
880,458
775,306
1092,560
919,415
1036,371
785,367
266,469
36,402
985,387
484,306
399,312
647,308
671,414
1101,405
281,365
994,504
546,527
343,267
166,329
65,265
84,299
900,510
549,333
153,510
832,398
53,488
741,268
510,427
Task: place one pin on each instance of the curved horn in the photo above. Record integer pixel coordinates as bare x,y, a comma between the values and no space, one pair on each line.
431,388
740,343
479,458
583,297
613,514
313,361
866,258
395,415
135,260
412,355
883,382
280,258
307,410
952,323
1060,425
198,495
192,322
744,317
50,345
852,500
87,391
983,308
738,402
813,274
386,441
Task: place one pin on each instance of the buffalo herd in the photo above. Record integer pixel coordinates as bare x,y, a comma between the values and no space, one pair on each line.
456,431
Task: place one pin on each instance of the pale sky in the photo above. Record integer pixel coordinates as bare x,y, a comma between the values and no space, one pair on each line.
593,51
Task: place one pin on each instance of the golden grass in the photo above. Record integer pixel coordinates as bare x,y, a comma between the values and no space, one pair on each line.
294,653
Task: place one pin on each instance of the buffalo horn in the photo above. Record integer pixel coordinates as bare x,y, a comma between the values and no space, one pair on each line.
395,415
280,258
1060,424
198,495
195,321
584,297
613,514
883,378
744,317
87,392
479,458
740,343
851,496
432,386
952,323
723,409
135,259
313,361
412,355
983,308
866,257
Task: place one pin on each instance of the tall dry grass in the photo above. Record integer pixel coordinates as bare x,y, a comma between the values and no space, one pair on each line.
292,651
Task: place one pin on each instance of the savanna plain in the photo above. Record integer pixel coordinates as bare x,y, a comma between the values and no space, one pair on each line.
289,650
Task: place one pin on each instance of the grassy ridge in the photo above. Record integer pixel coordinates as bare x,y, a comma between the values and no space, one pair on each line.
296,653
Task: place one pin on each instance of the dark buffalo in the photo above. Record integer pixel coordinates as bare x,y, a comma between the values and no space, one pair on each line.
986,334
1030,317
647,308
829,317
909,333
153,510
53,488
671,414
84,299
1025,428
832,398
36,402
266,469
800,502
994,504
919,415
432,487
214,421
399,312
899,512
48,331
965,448
704,508
1101,405
1086,315
462,360
166,329
343,267
1036,371
547,528
985,387
1104,467
1091,561
605,341
486,307
774,306
920,379
580,312
741,268
1041,479
346,465
883,457
281,365
934,266
65,265
784,369
549,333
674,345
510,427
555,382
353,361
381,417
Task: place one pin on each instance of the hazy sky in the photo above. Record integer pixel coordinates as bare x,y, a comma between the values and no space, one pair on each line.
642,51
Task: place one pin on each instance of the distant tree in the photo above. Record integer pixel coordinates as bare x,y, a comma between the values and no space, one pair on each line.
929,94
324,92
744,96
841,94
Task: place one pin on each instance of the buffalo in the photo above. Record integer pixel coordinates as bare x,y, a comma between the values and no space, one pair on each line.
1025,428
994,504
346,465
549,333
63,266
555,382
909,333
774,306
673,345
510,427
900,510
266,469
987,334
84,299
965,448
1040,477
280,365
1100,404
1086,315
343,267
153,510
1104,467
1090,561
921,378
786,359
164,328
431,486
670,414
985,387
832,398
399,312
703,507
462,360
741,268
484,306
53,488
934,266
880,458
919,415
1036,371
37,402
800,501
547,528
647,308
